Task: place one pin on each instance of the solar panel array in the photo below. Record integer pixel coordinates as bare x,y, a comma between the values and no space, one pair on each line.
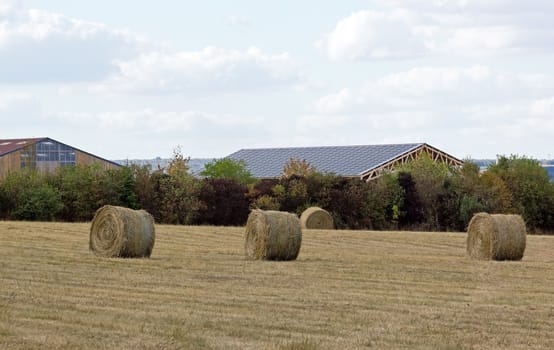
347,161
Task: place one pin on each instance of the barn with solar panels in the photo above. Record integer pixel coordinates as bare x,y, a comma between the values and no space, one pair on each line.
366,162
43,154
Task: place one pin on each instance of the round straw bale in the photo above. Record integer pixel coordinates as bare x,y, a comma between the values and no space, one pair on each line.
122,232
272,235
496,237
316,218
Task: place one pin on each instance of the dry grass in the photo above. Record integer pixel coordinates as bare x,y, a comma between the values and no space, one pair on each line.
347,290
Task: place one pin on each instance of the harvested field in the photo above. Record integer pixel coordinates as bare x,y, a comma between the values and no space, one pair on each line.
346,290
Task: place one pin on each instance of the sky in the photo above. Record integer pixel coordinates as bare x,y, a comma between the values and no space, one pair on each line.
139,79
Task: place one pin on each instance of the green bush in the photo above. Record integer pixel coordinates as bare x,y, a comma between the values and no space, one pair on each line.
40,203
423,195
266,202
531,189
176,198
26,195
230,169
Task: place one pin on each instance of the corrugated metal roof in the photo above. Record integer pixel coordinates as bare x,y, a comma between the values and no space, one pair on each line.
11,145
348,161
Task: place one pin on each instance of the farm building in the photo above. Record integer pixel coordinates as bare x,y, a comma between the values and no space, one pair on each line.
44,154
366,162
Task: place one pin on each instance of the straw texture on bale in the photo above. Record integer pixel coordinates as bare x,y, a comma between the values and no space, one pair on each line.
496,237
122,232
272,235
316,218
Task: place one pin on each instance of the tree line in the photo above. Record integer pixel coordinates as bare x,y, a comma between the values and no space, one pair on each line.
421,195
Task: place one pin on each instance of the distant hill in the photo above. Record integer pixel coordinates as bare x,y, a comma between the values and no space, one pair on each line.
196,165
483,163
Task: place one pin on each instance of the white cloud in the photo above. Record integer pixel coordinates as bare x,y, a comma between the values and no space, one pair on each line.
151,120
535,126
360,128
423,88
38,46
543,108
6,6
493,113
334,103
406,29
400,120
238,21
21,114
150,132
539,81
321,121
540,117
473,6
473,131
450,88
481,39
41,46
425,80
514,126
8,99
211,69
17,108
226,120
146,119
372,35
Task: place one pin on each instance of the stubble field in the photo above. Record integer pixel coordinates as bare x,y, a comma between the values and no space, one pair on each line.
347,290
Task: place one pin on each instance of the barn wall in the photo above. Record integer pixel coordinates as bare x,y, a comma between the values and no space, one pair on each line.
84,158
10,162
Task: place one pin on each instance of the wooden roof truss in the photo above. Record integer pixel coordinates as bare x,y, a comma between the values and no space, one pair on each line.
433,153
